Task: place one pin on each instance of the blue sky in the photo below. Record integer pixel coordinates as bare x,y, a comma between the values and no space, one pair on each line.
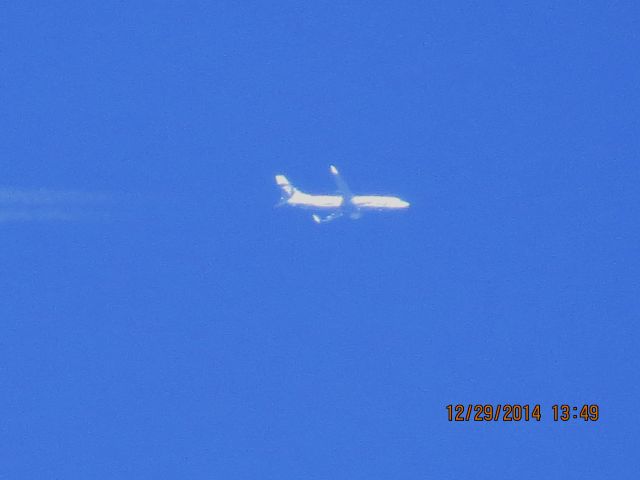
184,327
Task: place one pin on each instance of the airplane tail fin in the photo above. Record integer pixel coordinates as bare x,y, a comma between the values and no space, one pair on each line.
285,185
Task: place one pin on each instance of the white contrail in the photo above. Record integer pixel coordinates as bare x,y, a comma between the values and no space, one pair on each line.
13,196
34,216
44,205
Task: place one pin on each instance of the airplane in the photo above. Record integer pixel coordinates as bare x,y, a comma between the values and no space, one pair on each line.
343,203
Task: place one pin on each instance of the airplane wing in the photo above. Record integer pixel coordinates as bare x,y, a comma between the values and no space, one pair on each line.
328,218
343,188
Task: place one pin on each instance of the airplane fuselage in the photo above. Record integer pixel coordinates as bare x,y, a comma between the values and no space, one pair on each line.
330,202
343,203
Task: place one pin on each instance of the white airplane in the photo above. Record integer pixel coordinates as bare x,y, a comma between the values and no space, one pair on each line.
344,203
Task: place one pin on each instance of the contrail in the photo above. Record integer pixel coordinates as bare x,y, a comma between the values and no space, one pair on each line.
45,205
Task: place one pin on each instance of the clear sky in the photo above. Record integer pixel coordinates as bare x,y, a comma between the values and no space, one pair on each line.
185,328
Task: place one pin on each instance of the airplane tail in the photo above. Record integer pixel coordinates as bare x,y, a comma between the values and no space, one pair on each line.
287,188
